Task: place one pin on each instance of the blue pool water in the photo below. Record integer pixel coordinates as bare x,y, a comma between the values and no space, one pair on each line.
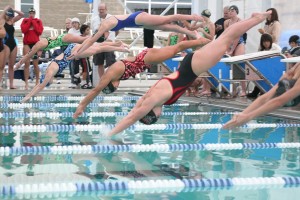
34,169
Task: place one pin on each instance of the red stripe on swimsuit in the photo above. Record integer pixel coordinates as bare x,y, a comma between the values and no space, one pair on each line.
185,77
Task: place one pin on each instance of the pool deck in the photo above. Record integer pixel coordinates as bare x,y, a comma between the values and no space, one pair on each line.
139,87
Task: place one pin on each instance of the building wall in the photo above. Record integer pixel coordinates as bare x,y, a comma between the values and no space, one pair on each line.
54,12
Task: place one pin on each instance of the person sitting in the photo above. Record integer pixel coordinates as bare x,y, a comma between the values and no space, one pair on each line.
266,44
294,42
169,89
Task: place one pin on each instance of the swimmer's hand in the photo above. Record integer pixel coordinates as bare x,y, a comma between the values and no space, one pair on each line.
25,99
237,120
120,43
79,111
74,55
18,65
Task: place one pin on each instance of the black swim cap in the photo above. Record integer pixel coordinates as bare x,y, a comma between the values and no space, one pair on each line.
150,118
110,88
283,86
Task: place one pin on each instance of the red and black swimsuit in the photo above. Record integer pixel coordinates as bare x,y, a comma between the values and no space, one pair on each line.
185,78
135,67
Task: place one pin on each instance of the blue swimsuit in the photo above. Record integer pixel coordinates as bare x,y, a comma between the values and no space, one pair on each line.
128,22
63,63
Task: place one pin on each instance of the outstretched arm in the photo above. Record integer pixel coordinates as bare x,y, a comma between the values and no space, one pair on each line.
40,45
51,71
98,48
108,76
105,26
263,105
70,38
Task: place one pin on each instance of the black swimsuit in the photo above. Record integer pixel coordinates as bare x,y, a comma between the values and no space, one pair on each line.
185,78
9,39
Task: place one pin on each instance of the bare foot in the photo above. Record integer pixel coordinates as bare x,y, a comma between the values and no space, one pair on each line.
262,16
12,87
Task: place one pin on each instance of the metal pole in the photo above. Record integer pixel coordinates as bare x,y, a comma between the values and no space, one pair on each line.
125,7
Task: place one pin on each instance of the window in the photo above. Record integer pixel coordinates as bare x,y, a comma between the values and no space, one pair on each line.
24,5
157,7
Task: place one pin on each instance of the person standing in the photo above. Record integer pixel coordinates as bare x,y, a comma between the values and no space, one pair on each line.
108,57
220,22
10,45
75,30
74,66
68,25
272,26
2,35
32,28
238,47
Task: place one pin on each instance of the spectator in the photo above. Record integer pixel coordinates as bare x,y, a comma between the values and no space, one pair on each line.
85,62
266,44
68,25
10,47
74,66
2,35
220,22
295,48
207,27
148,38
32,28
272,26
237,47
108,57
194,87
75,27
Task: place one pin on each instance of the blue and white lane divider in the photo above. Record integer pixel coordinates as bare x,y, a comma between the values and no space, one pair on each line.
72,105
137,127
54,115
133,186
69,98
98,149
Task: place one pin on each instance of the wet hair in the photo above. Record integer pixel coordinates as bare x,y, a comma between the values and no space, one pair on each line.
110,88
83,28
265,38
150,118
274,16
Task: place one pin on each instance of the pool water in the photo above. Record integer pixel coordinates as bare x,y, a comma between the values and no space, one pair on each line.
153,165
